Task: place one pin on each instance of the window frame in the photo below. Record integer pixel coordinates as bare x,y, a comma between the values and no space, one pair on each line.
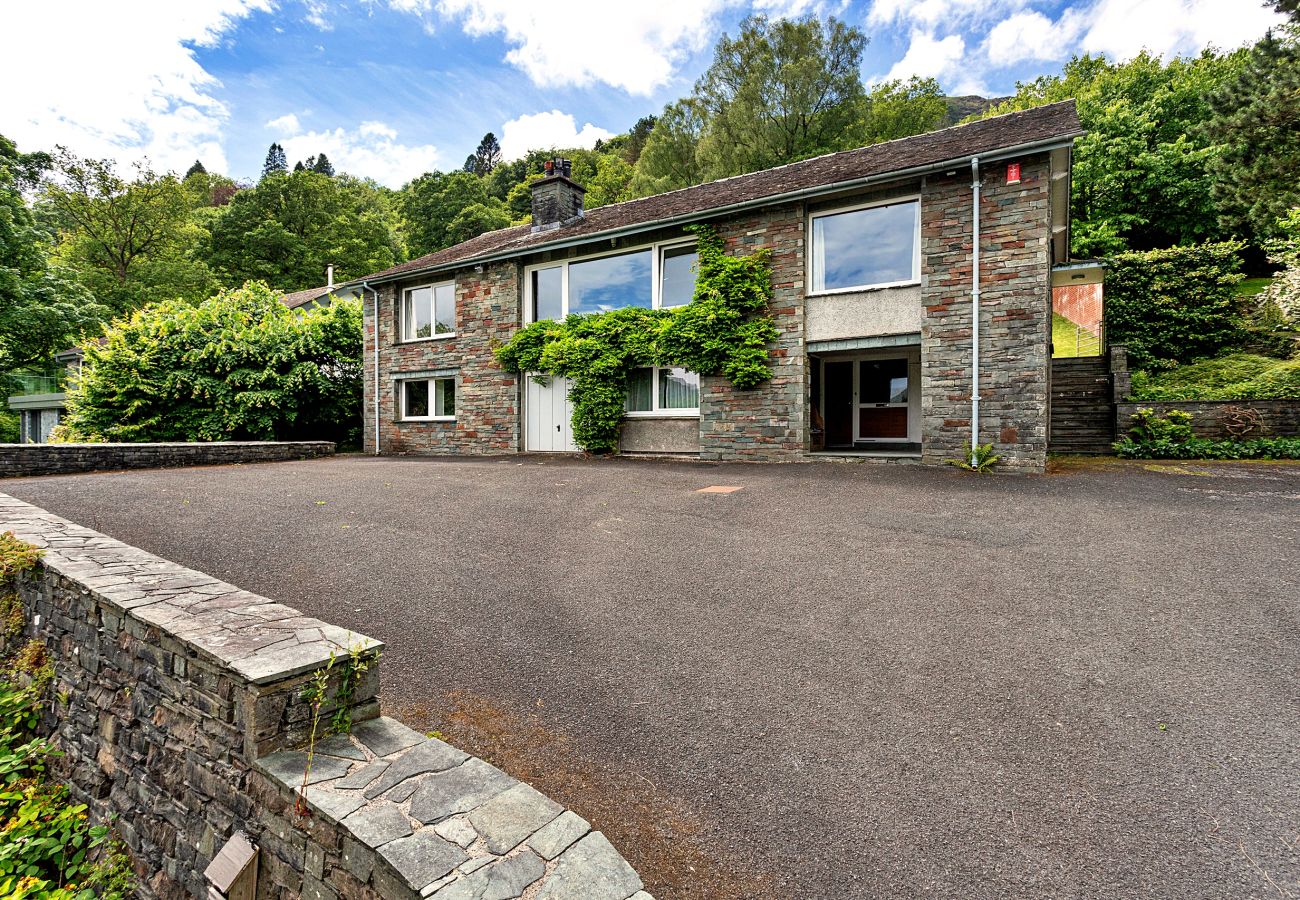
856,207
657,249
433,309
401,398
657,412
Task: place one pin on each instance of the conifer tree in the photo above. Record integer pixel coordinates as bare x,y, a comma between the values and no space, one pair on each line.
323,165
275,160
196,169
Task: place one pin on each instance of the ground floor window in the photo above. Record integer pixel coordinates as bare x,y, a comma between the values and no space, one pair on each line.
428,399
661,390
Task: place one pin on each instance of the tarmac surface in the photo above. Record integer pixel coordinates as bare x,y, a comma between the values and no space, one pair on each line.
864,680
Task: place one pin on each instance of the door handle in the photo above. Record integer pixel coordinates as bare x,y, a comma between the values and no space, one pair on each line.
557,427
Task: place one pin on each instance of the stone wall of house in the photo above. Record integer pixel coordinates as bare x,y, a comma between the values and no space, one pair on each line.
769,422
65,459
1015,314
181,718
1280,418
487,397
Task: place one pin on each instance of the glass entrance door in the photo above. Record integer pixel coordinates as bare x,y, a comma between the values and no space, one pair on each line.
882,399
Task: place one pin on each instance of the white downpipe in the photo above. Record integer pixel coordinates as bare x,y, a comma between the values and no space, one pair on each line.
975,309
365,286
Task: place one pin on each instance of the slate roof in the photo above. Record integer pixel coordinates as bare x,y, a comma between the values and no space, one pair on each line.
299,298
1039,126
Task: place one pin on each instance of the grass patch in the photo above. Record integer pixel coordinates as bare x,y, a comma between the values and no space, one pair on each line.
1236,376
1249,287
1069,339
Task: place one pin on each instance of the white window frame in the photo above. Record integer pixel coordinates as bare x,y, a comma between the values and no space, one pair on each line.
656,273
401,398
656,412
857,289
433,304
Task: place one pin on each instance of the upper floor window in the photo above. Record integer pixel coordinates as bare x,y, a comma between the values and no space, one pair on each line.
873,246
656,277
429,311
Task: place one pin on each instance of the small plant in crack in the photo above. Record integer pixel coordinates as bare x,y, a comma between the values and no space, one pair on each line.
316,692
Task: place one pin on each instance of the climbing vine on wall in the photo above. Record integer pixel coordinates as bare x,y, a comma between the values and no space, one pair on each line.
722,331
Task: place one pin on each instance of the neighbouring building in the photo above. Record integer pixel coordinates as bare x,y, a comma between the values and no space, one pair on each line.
873,295
301,301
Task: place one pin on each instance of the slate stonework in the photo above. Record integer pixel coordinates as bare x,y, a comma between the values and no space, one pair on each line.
18,460
1280,418
1015,314
185,722
487,397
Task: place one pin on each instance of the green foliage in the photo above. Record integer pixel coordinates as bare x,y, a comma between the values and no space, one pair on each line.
129,240
240,366
722,331
432,203
668,161
1154,435
1141,178
897,109
1278,304
979,458
9,430
1256,125
1175,305
288,228
780,91
16,556
42,308
316,694
1236,376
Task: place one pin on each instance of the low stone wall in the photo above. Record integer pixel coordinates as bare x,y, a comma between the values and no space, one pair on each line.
17,460
1281,418
181,718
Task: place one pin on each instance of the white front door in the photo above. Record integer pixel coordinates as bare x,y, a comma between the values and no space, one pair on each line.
548,415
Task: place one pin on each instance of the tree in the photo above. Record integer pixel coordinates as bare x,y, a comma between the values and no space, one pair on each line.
323,166
779,92
275,161
289,227
431,204
668,160
1256,124
129,241
239,365
196,169
1142,176
42,309
898,109
637,136
486,157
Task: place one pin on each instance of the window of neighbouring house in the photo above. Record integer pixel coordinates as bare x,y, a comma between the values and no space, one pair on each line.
429,311
428,398
660,276
864,248
663,391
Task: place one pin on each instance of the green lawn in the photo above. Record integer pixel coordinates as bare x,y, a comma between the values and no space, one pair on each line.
1249,287
1069,339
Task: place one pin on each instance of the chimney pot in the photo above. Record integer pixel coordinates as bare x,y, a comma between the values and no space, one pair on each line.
329,275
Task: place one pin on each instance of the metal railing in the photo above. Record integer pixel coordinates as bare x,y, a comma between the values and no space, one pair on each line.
26,385
1078,341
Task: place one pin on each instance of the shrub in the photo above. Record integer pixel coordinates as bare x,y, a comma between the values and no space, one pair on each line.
8,427
1175,305
240,366
1236,376
1169,435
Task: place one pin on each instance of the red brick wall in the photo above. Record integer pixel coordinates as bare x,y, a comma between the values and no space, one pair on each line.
1080,303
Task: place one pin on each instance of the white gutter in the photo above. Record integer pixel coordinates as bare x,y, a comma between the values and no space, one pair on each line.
714,212
975,309
365,286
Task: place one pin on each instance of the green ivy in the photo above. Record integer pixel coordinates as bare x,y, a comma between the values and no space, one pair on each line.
722,331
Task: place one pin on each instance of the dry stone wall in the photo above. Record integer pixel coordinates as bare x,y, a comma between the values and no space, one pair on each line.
182,719
17,460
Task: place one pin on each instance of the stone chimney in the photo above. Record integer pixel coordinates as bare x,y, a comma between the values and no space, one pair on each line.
557,198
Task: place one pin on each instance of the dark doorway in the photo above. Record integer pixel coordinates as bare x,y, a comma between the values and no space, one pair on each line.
837,393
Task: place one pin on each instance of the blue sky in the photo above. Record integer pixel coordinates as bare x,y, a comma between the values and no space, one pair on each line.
393,88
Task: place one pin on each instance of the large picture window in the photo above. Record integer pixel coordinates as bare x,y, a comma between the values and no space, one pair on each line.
428,399
663,391
656,277
865,248
429,311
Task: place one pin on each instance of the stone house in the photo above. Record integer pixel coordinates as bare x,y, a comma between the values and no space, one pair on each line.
873,295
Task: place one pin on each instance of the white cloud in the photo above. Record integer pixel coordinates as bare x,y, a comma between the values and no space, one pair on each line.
286,124
105,83
1122,29
1033,36
633,46
930,13
370,150
929,57
544,130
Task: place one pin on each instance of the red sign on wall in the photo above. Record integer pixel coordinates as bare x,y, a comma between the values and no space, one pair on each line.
1013,173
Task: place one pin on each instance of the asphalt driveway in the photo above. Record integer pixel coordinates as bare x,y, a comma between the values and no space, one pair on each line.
840,681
